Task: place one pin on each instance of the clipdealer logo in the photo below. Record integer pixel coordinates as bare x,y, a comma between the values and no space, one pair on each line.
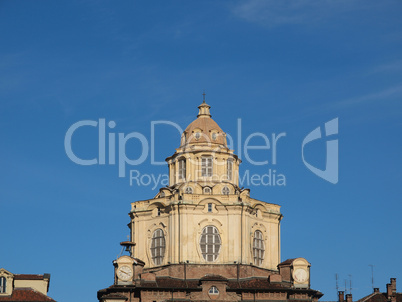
330,173
107,153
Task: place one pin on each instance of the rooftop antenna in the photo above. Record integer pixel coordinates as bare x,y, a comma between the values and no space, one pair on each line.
350,284
372,276
346,289
337,287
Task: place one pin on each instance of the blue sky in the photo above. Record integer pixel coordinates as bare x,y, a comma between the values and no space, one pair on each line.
279,66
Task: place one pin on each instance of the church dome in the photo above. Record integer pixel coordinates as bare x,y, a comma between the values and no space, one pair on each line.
203,130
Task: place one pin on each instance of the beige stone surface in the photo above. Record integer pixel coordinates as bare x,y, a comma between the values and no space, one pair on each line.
182,213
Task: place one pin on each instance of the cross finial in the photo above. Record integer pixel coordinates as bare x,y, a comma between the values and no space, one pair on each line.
203,97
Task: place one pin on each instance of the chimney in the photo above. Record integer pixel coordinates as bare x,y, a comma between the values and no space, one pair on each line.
376,290
349,298
389,291
393,285
341,297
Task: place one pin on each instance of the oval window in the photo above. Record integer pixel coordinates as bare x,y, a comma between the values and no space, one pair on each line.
210,243
258,248
158,247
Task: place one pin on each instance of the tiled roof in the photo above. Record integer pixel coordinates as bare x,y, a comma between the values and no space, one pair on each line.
26,294
169,283
28,277
380,297
249,283
114,296
256,283
213,278
288,261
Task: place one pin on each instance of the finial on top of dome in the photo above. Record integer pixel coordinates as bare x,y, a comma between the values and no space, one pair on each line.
204,108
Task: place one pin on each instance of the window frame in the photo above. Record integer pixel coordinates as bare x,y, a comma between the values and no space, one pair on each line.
206,166
229,169
210,243
3,284
209,207
182,168
158,246
207,190
213,290
258,248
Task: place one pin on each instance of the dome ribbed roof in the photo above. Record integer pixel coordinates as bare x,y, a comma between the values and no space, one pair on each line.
204,129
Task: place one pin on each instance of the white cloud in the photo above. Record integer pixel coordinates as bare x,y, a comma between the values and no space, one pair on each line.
380,96
394,66
282,12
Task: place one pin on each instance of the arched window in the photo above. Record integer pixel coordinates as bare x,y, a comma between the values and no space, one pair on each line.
2,285
230,169
213,290
207,190
158,247
210,243
258,248
225,191
182,169
189,190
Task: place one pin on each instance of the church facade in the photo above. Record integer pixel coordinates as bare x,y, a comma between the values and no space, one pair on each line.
203,237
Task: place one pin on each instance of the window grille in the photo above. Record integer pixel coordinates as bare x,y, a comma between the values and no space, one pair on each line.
230,169
213,290
158,247
258,248
210,243
2,285
225,191
182,169
189,190
206,166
